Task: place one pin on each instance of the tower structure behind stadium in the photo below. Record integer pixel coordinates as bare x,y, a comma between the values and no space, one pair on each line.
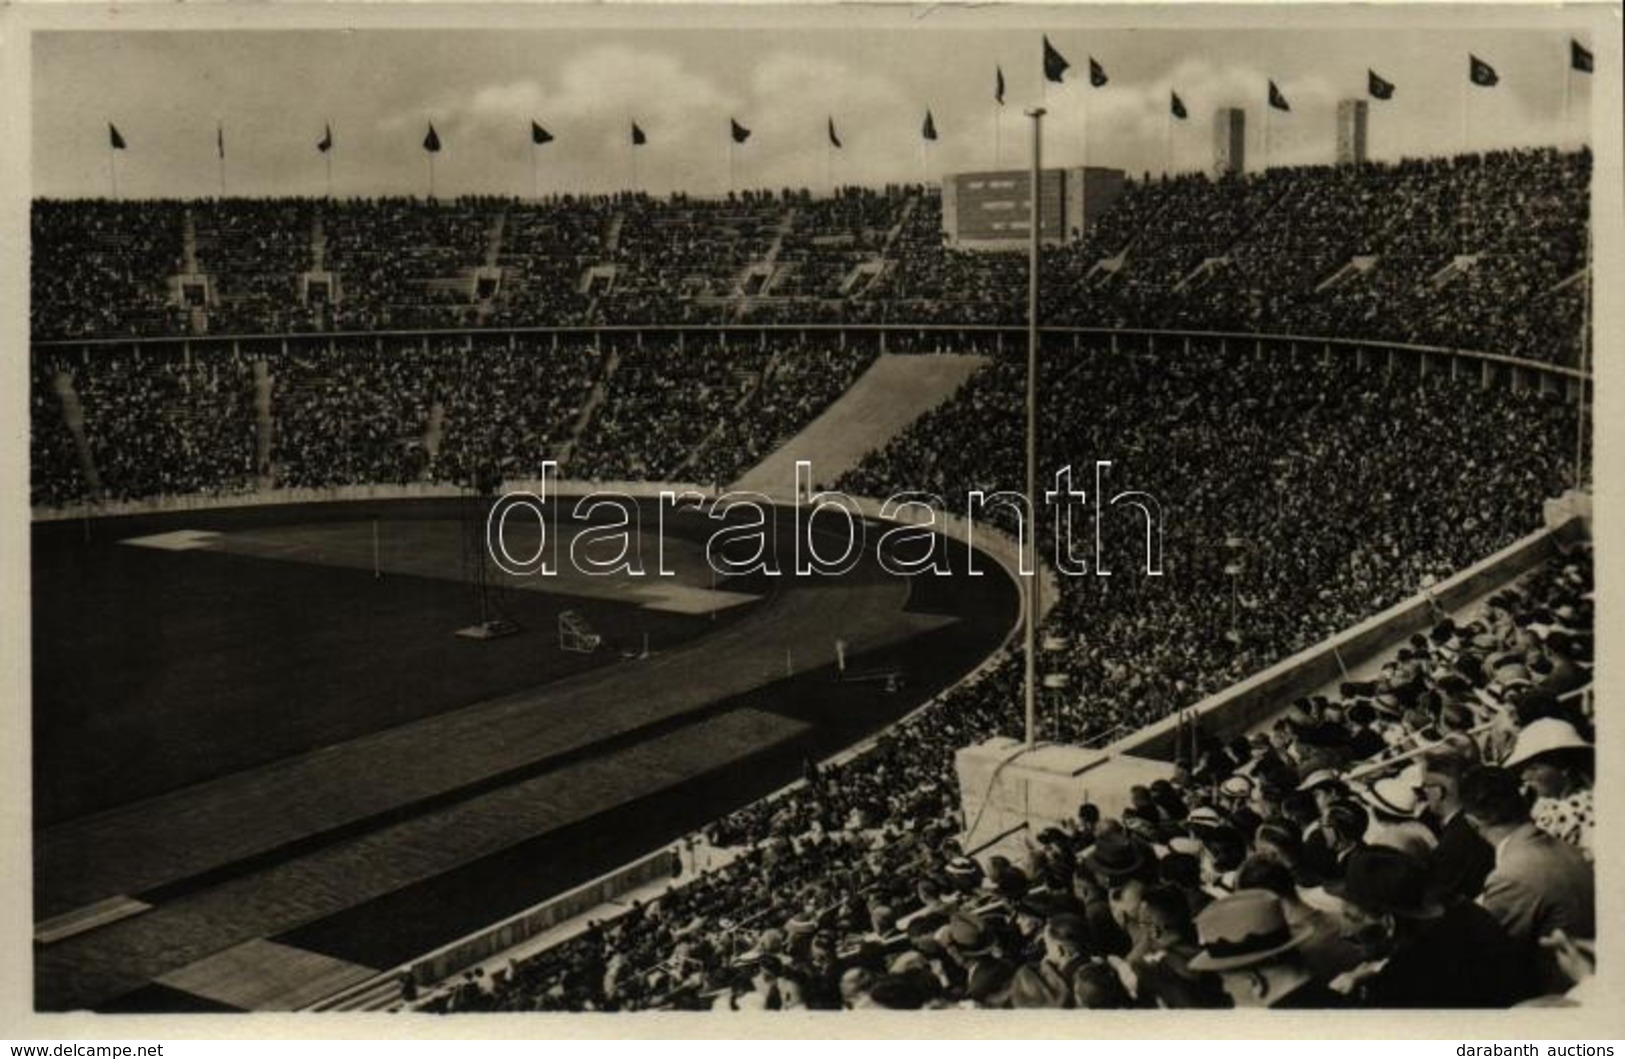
1229,141
1352,115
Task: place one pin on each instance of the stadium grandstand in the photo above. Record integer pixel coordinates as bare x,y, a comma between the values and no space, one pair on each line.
1332,747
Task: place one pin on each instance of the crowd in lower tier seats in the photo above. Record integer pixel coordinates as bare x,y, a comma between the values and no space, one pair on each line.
1421,839
706,414
1297,498
1480,252
125,424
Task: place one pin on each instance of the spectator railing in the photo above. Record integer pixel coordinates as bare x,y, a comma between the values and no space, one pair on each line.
903,337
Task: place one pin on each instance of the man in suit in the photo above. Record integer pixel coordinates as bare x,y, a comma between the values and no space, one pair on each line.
1540,884
1419,953
1462,860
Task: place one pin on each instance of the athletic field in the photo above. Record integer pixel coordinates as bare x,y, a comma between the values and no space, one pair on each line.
258,744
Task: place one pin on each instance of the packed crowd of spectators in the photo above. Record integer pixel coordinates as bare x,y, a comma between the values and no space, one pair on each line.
359,410
102,268
1337,492
1421,839
256,250
708,413
1474,252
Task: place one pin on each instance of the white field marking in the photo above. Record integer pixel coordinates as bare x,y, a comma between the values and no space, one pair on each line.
175,541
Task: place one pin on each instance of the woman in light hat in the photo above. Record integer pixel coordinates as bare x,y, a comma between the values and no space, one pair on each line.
1556,763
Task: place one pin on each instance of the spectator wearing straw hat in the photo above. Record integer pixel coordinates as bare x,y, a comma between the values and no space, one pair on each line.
1396,806
1556,763
1326,952
1246,940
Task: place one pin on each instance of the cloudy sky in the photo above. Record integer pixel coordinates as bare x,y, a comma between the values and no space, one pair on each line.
781,72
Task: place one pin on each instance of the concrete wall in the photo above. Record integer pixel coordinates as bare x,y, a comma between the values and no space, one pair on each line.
515,930
1004,786
1252,702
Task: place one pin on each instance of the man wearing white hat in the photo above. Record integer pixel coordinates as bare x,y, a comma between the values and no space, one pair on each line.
1396,806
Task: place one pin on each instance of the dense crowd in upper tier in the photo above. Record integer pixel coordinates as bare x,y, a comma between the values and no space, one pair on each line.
1473,252
1372,849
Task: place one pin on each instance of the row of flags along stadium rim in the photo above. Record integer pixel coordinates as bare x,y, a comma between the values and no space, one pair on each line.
1479,73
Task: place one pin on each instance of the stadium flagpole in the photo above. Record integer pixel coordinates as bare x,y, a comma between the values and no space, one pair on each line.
1585,350
1466,98
1168,142
1030,545
998,135
112,168
1267,109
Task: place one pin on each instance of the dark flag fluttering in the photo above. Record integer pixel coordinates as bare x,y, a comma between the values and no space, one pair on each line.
220,140
834,140
1097,74
539,135
929,129
739,133
1378,87
1277,100
325,144
1481,73
1176,106
1055,64
1580,58
998,85
638,139
431,142
114,140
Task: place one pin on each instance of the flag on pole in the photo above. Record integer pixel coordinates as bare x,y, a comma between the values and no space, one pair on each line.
929,130
539,135
1580,58
834,140
1176,106
1277,100
998,85
220,140
1055,63
431,142
325,144
1481,73
638,138
1097,74
113,138
1378,87
739,133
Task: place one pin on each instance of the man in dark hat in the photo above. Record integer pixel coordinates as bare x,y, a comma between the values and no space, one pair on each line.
1419,953
973,946
1116,864
1167,944
1364,740
1459,864
1342,833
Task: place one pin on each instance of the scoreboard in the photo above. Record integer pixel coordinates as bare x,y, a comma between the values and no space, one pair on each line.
992,210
